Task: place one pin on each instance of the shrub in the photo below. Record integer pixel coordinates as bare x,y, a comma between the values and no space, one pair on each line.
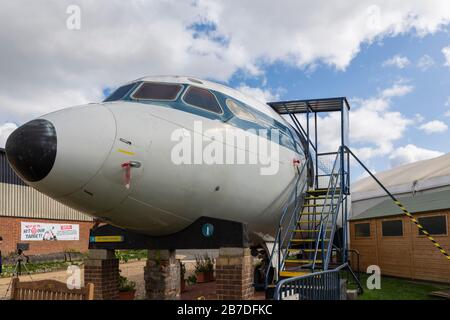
126,285
203,264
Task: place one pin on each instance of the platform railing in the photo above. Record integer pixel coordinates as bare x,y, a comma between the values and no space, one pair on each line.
324,285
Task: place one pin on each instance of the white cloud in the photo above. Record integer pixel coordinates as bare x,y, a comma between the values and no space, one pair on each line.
5,130
263,95
435,126
425,62
399,89
411,153
446,53
396,61
45,66
418,118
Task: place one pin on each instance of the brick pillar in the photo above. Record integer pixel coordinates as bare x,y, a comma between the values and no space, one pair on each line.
234,274
162,275
102,269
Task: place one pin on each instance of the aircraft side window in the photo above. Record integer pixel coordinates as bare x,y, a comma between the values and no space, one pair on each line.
157,91
120,92
239,111
202,98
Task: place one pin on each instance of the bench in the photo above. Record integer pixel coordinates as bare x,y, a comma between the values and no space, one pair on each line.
49,290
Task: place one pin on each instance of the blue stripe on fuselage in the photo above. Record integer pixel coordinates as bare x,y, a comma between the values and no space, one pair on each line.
288,138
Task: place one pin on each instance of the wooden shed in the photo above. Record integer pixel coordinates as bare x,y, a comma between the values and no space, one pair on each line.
386,237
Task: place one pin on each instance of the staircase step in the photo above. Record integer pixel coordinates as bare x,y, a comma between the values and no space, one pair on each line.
306,212
301,261
321,191
307,240
315,191
305,250
306,230
320,197
313,250
317,205
308,221
289,274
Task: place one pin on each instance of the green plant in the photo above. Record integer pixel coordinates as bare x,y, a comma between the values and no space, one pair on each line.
192,279
126,285
126,255
40,267
203,264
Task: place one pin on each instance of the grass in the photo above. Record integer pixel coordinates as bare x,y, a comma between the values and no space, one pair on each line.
37,267
40,267
401,289
126,255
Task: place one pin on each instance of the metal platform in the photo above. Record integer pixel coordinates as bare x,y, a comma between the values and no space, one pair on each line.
313,105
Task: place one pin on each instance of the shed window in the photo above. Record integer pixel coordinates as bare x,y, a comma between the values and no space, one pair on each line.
392,228
239,111
434,225
203,99
120,92
157,91
362,230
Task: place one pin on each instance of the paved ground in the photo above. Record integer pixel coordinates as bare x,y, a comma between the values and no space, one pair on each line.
134,271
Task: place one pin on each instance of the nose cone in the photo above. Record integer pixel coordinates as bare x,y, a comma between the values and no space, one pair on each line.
62,151
31,149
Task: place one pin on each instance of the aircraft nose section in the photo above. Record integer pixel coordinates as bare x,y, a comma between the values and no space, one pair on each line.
62,151
31,149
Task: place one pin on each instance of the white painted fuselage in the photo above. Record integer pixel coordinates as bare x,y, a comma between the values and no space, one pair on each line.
163,196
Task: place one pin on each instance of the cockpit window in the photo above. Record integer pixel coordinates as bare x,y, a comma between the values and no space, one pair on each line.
120,92
203,99
239,111
157,91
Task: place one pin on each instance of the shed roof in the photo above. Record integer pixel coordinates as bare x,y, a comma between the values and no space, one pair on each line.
415,204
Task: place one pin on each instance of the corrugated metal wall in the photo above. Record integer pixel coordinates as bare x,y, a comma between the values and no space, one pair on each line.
7,175
19,200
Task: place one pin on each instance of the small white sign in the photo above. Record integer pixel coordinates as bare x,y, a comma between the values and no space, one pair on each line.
37,231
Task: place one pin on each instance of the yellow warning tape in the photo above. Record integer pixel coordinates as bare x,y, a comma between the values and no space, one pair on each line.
422,229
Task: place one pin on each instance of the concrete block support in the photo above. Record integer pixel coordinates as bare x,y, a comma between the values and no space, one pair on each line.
234,274
102,269
162,275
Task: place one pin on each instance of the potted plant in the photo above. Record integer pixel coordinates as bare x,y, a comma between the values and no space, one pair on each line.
192,279
182,279
204,269
127,289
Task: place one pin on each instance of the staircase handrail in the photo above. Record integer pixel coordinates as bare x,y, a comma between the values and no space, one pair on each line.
293,197
325,216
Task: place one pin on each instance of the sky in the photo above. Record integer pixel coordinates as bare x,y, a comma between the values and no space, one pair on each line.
391,59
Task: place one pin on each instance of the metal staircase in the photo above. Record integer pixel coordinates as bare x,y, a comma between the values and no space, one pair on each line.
311,241
305,243
303,247
305,235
